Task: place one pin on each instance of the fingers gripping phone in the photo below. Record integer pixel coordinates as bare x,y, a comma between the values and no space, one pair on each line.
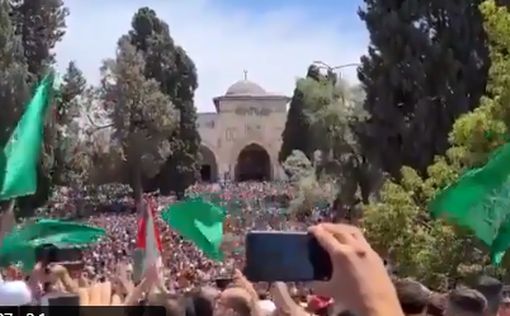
285,256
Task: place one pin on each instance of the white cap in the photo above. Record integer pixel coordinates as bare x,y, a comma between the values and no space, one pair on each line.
15,293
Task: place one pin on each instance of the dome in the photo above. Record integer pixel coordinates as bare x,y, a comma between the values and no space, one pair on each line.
245,87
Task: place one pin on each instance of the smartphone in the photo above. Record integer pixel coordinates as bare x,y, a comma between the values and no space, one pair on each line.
285,256
50,253
222,283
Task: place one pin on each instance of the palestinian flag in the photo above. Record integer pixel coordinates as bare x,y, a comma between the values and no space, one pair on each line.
148,243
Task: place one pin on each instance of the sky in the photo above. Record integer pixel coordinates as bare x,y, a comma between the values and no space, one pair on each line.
273,40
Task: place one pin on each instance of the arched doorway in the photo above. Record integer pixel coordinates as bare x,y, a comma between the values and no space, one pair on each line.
253,164
208,166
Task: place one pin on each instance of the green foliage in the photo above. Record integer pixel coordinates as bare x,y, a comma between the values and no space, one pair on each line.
14,91
13,75
330,108
313,191
296,135
413,105
143,117
41,24
297,165
333,110
74,84
399,224
67,109
173,69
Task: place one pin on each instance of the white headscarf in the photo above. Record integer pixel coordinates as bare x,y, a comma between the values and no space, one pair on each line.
14,293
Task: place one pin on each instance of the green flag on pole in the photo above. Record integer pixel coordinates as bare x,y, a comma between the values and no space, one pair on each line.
19,158
480,201
200,222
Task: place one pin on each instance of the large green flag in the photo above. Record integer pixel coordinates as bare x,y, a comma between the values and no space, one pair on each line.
480,201
18,160
200,222
20,244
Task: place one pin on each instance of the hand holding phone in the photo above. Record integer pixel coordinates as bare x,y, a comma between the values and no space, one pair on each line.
359,279
285,256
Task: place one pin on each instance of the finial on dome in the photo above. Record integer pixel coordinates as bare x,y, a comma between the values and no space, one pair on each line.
245,74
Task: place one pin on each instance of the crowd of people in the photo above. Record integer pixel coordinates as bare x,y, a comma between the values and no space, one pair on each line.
186,282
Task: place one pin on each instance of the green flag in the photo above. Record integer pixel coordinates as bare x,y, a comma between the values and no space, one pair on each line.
18,160
198,221
480,201
20,244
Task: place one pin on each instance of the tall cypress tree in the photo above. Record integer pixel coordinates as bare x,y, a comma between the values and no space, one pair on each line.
41,25
13,74
426,64
170,65
66,109
297,133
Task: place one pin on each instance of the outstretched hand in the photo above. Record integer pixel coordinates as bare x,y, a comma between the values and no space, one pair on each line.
360,280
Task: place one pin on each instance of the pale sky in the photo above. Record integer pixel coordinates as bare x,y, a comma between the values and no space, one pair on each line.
274,40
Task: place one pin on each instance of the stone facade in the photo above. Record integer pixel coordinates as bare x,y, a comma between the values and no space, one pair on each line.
242,139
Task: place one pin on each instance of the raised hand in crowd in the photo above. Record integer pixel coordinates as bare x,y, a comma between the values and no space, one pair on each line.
360,281
149,280
284,303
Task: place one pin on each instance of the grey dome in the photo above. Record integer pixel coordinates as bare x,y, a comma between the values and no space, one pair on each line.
245,87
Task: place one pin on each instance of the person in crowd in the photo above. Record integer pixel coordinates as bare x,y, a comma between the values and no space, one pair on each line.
465,302
504,308
492,290
413,296
436,304
184,284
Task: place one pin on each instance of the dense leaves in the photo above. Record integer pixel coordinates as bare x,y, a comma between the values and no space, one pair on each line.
399,225
330,108
13,74
143,116
296,134
66,110
427,64
41,24
173,69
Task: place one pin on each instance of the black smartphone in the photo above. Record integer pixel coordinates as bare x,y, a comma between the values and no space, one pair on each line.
50,253
222,283
285,256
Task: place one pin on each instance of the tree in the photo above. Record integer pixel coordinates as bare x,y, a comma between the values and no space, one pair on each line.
334,109
13,75
41,24
412,105
330,109
399,224
297,166
295,136
67,109
143,116
175,72
74,84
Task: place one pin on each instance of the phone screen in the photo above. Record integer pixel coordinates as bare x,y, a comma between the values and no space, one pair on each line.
285,256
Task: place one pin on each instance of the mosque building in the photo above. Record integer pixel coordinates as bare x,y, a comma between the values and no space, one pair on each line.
241,140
